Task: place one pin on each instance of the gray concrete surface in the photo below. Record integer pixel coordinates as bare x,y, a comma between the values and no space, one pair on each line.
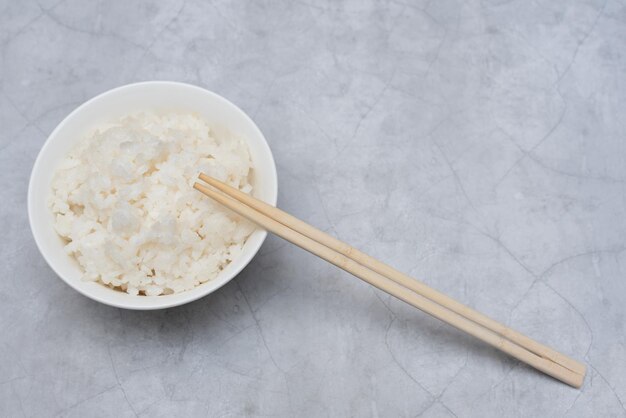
479,146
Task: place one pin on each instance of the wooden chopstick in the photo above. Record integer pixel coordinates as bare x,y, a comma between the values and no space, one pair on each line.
277,222
395,275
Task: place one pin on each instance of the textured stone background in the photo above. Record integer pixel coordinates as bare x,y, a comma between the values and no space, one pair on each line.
477,145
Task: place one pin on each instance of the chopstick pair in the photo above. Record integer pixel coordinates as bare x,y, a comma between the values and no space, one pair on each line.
395,283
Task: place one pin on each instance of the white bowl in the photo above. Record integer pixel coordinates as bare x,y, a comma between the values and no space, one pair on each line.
110,106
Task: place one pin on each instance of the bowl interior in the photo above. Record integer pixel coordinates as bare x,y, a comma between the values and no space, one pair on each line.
110,106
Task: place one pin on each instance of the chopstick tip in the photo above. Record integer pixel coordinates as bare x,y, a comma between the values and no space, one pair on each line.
204,177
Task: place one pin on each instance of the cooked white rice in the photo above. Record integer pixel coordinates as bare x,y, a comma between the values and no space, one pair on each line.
123,199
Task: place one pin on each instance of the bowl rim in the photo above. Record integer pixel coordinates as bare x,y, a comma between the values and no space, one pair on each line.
163,301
